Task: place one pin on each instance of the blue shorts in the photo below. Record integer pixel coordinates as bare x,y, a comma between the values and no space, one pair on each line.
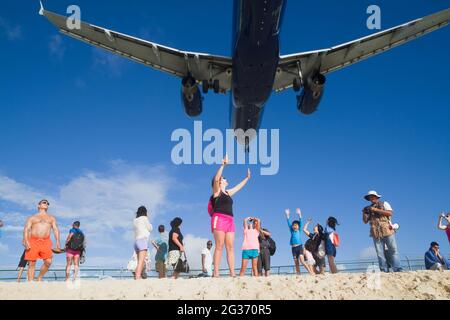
330,249
141,245
250,254
297,251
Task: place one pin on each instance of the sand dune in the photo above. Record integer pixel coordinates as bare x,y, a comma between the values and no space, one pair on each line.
408,285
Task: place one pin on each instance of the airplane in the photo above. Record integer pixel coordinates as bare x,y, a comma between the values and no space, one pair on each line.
256,68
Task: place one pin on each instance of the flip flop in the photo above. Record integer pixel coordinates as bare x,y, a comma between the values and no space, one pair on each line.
58,251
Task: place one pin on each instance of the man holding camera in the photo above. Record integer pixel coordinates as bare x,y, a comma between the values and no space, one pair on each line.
379,214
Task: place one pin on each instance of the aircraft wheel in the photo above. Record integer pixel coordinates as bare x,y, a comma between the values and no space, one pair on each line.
216,86
205,86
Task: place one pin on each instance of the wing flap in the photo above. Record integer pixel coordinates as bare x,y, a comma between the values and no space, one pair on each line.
176,62
337,57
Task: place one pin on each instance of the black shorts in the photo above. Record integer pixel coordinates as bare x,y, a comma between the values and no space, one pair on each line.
297,251
264,260
22,262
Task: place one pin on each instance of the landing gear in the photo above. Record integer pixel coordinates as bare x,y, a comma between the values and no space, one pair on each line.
205,86
297,84
216,86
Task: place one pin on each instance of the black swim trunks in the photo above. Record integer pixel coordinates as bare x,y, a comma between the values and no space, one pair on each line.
297,251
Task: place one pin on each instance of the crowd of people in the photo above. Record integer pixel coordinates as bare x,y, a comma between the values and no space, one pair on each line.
257,248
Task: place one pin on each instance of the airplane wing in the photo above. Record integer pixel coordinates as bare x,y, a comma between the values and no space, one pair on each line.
179,63
332,59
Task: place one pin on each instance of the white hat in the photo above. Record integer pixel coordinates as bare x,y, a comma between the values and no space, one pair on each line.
372,193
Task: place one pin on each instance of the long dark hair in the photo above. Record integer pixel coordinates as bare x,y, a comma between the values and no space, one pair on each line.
175,223
141,211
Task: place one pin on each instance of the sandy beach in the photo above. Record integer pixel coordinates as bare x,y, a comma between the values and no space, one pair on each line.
408,285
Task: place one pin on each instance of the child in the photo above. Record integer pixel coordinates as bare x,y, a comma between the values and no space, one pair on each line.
316,245
330,247
296,242
250,247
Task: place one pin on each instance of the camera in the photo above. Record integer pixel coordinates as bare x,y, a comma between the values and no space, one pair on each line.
367,210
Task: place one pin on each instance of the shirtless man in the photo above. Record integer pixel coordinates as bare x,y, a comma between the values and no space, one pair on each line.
36,240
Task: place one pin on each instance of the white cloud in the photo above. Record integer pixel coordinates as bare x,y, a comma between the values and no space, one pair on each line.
194,246
18,193
3,248
368,253
110,62
56,46
9,31
104,202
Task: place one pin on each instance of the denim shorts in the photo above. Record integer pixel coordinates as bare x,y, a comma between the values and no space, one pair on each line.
250,254
141,244
330,249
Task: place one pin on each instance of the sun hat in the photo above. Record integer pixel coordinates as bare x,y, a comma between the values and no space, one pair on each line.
372,193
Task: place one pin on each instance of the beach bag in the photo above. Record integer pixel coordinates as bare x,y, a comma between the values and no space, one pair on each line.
76,242
182,265
211,204
83,256
132,264
334,238
272,246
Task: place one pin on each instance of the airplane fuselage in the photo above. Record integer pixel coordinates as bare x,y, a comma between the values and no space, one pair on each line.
256,26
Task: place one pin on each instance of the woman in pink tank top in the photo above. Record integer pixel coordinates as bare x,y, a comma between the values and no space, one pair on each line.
222,220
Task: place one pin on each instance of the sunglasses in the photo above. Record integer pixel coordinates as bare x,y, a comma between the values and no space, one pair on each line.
44,202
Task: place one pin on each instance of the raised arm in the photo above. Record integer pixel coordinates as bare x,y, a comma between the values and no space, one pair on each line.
56,232
287,213
305,228
239,186
299,212
441,226
26,234
258,223
246,223
216,184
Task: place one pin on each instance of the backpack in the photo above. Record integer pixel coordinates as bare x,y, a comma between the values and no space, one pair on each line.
77,241
211,204
334,238
272,246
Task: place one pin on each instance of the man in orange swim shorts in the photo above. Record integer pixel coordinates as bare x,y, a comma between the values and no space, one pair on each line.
36,240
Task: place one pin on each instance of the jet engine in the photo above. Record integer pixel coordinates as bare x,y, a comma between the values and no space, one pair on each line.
311,94
191,96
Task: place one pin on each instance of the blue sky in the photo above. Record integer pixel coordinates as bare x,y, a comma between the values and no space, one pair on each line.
91,131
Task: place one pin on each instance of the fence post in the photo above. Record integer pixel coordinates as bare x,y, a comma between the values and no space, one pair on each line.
409,265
